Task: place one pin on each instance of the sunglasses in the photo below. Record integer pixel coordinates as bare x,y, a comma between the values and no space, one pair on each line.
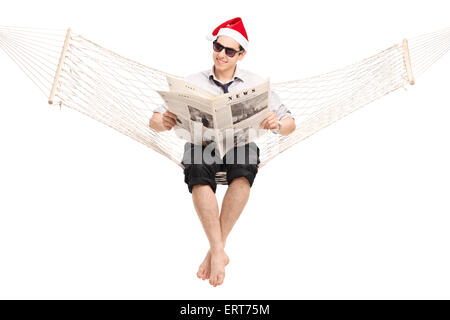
228,51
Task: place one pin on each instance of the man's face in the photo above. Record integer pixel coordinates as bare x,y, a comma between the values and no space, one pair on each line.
223,62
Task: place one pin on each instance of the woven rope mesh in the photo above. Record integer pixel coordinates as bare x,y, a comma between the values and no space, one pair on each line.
121,93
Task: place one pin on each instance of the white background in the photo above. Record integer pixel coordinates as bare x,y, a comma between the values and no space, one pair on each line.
358,210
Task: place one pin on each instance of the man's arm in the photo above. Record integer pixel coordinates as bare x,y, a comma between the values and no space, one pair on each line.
271,123
156,122
281,113
287,126
162,121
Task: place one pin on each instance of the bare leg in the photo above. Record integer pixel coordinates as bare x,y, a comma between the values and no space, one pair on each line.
205,204
233,204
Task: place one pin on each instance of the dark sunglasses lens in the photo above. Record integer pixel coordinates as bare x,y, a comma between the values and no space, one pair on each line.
217,47
230,52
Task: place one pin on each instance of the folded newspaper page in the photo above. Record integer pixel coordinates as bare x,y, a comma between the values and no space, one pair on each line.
230,119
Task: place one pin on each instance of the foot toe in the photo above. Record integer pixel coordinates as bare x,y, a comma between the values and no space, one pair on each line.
220,279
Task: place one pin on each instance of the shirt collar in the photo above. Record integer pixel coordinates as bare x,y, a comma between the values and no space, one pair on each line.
237,74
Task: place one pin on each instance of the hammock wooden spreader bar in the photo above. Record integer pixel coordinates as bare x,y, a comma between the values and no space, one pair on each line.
58,69
75,72
407,62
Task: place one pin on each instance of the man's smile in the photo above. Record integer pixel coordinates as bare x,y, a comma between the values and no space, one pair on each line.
220,61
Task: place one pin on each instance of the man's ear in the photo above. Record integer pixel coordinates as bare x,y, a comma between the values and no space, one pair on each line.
242,55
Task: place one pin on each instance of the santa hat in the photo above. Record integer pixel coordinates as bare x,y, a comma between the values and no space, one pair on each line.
233,28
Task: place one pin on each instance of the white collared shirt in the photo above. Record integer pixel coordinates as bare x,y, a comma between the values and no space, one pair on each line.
243,79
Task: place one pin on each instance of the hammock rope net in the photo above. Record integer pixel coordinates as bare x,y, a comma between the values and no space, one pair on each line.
121,93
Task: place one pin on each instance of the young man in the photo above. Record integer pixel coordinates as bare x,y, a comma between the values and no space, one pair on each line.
229,47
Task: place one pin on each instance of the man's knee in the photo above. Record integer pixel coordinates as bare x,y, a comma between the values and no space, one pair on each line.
242,171
200,174
201,186
240,180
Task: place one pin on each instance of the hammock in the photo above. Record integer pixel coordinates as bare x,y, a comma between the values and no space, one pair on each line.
121,93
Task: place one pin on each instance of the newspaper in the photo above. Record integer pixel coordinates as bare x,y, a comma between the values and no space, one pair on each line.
229,120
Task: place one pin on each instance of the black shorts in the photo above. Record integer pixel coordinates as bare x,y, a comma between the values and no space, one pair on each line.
238,162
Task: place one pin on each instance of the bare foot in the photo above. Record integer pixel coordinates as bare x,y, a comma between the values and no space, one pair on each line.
204,271
219,260
205,268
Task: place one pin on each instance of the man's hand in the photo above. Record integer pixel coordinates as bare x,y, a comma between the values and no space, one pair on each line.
168,120
270,122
